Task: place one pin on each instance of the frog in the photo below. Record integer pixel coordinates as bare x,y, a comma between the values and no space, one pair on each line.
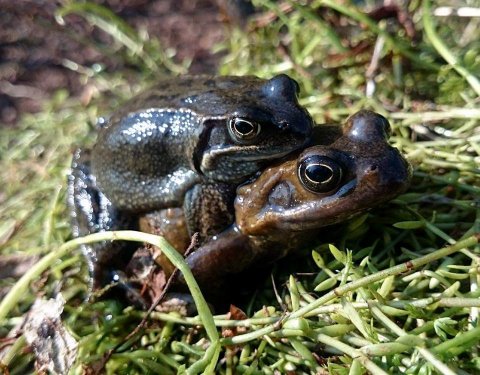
184,139
293,201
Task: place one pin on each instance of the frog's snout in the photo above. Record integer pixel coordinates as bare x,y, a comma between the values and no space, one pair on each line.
389,175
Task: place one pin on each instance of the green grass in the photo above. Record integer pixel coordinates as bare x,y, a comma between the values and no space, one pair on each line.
397,291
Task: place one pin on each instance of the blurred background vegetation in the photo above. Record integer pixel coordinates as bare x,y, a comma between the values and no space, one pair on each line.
63,64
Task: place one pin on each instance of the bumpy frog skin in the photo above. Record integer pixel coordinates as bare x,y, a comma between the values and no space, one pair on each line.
185,141
284,208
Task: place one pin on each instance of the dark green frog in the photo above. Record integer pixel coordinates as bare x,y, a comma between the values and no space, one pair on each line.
183,139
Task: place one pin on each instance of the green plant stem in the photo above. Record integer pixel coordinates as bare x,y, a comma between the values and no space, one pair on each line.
113,25
208,361
442,179
352,352
460,342
220,321
21,286
363,282
395,270
118,29
444,51
15,349
312,15
432,116
394,44
427,354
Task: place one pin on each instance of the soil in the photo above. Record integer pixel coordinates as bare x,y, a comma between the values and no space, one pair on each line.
34,46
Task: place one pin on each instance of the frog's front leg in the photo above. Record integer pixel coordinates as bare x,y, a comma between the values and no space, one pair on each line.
92,212
208,208
222,252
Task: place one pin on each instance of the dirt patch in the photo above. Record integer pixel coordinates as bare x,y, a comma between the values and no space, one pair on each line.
34,48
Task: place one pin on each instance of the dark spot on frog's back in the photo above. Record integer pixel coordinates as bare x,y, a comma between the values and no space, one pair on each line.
209,82
186,82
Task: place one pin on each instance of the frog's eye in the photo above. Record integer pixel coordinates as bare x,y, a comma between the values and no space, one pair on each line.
243,130
319,174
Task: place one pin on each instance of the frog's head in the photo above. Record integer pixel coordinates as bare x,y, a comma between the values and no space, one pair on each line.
325,185
254,121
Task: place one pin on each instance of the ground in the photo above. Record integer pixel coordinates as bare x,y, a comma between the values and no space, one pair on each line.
35,48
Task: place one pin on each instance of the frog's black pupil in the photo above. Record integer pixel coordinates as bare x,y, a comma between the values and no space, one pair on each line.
318,172
243,127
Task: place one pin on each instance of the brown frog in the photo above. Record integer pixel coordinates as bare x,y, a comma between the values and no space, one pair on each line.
290,202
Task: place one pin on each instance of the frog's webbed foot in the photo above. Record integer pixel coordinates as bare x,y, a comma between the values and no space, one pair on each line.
209,209
92,212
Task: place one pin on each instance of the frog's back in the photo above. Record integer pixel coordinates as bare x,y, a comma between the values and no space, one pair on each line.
204,95
148,144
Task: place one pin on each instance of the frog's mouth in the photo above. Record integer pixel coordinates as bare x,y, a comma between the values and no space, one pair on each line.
254,152
261,157
238,162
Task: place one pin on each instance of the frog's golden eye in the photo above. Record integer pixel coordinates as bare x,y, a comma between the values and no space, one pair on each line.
243,130
320,174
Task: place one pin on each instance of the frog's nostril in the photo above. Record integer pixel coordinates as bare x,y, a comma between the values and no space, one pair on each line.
373,168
